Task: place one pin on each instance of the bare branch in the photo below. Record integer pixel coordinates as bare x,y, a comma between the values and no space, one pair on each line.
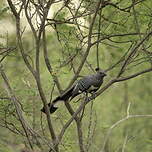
133,52
119,123
47,62
133,75
88,43
17,107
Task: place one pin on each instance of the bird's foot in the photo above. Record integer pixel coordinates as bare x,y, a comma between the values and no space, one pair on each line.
93,95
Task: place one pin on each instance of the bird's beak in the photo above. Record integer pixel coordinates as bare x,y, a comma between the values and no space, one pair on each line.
104,74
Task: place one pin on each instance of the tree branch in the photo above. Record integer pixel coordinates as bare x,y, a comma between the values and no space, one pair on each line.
88,44
17,106
117,124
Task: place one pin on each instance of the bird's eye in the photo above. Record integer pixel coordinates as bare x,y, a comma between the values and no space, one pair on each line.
97,69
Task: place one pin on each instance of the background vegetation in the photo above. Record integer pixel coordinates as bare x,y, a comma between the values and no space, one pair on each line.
46,45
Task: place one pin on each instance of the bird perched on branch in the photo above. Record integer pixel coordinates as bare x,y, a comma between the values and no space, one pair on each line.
88,84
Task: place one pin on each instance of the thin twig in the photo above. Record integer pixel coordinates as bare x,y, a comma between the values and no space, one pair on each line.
118,123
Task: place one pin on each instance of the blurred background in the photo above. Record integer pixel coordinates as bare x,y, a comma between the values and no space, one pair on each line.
108,108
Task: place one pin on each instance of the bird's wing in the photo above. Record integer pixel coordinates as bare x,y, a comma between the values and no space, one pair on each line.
85,83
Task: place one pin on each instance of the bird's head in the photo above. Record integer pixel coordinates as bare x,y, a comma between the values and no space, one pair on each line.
101,72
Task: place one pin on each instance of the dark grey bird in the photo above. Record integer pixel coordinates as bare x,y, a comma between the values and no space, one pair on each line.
88,84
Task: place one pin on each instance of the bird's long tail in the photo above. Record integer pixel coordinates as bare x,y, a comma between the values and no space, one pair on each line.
53,106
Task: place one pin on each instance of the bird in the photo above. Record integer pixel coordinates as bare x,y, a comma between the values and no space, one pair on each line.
87,84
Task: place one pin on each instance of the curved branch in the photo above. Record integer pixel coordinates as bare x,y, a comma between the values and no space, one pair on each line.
118,123
133,75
